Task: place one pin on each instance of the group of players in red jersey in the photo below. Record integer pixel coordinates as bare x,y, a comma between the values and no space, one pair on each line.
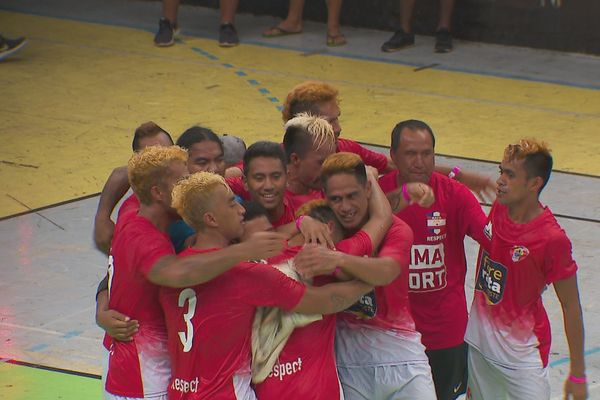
376,307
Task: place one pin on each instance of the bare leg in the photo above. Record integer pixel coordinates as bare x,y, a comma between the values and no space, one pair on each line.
334,8
228,9
169,10
446,8
406,12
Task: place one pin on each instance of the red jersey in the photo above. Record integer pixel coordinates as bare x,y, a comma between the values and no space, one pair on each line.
237,186
438,266
141,367
210,328
388,334
508,323
305,368
369,157
130,203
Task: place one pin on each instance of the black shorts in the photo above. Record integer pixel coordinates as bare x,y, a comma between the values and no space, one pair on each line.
449,370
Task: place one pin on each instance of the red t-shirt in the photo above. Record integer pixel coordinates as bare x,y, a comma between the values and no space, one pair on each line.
132,203
306,366
141,367
508,323
391,308
210,327
369,157
438,265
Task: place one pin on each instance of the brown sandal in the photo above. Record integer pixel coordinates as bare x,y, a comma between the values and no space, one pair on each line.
276,31
336,40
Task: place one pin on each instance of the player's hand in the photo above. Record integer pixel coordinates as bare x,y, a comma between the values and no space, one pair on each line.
103,233
316,232
315,260
372,172
575,391
420,194
483,186
263,245
117,325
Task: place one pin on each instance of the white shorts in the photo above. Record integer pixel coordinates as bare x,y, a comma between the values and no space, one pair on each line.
490,381
110,396
388,382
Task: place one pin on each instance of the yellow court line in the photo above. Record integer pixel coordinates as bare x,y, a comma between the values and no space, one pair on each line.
73,97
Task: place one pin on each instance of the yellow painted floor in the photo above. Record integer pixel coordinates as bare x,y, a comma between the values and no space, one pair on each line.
69,103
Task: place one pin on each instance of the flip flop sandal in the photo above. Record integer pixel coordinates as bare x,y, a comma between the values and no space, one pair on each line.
336,40
276,31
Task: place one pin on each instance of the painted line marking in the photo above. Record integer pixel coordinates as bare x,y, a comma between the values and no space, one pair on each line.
567,359
19,164
46,331
29,208
273,99
38,347
72,334
253,82
264,90
240,73
205,53
426,67
227,65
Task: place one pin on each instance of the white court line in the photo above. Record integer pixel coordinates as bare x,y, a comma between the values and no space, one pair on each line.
85,310
46,331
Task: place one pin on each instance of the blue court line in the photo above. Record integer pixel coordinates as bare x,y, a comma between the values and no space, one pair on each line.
565,360
72,334
336,54
38,347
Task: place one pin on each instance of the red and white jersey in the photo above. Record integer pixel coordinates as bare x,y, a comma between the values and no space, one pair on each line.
305,368
508,323
210,328
140,368
438,266
369,157
380,329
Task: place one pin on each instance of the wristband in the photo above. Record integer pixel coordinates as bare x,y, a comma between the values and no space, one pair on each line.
405,193
299,222
454,172
577,380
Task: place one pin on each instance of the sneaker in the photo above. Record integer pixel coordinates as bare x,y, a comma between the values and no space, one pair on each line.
399,41
166,33
228,36
10,46
443,41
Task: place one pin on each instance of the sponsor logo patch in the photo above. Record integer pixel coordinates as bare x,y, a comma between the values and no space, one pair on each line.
365,307
491,279
436,222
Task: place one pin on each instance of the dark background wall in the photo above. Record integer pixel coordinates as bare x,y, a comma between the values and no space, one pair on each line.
565,25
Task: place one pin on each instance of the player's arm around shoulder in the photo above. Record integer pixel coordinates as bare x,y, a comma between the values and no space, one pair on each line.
331,298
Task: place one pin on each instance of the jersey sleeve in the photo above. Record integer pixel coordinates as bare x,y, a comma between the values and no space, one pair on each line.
559,263
358,244
237,186
369,157
472,215
397,243
155,247
263,285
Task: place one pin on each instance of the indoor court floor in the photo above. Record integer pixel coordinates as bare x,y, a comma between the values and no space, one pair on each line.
90,74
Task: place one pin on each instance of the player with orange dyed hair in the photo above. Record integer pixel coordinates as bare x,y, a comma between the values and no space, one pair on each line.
508,331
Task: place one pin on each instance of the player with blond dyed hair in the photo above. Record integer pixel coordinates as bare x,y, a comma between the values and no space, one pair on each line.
508,330
143,257
209,324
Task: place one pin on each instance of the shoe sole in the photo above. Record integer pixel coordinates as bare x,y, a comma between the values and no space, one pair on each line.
228,44
12,51
171,43
398,49
442,51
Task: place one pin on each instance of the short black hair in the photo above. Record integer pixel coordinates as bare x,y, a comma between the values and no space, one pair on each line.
254,210
264,149
147,129
296,140
413,125
198,134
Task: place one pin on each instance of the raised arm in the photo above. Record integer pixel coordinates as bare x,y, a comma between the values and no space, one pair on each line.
483,186
568,295
410,193
114,189
173,271
380,212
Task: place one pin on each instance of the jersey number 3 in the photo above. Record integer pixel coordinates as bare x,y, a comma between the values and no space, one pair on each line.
187,337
